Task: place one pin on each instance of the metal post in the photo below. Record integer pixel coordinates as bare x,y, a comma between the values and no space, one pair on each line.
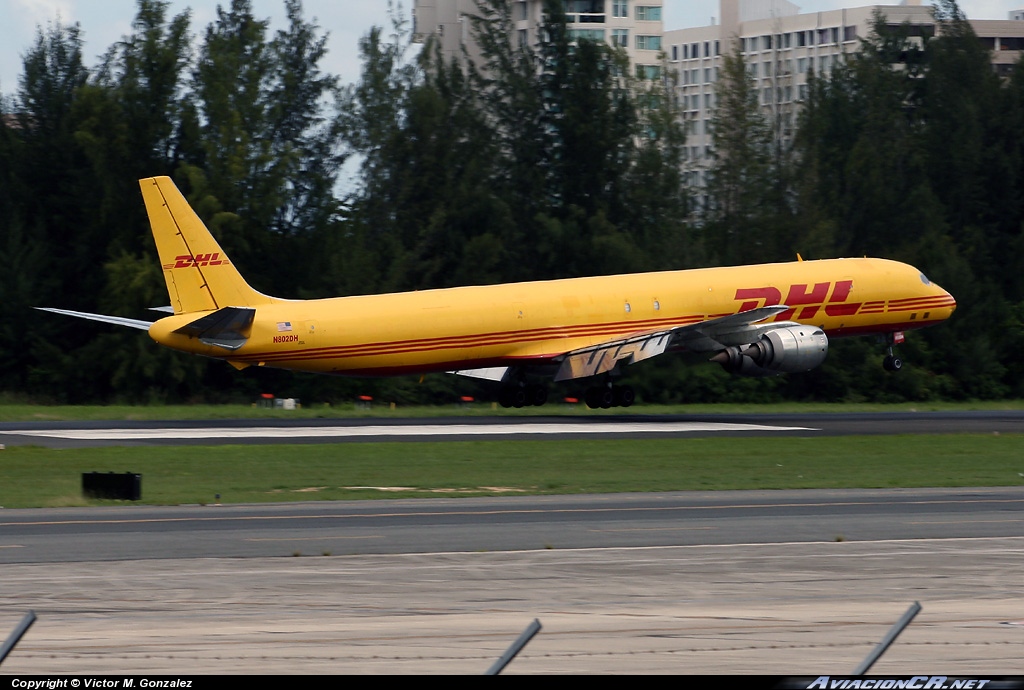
499,665
890,637
22,628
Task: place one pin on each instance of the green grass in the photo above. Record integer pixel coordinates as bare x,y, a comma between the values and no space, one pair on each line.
42,413
32,476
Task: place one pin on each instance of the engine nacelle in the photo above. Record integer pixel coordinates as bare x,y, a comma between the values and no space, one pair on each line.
785,350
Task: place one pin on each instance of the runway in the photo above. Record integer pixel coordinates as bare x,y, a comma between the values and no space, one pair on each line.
84,434
777,582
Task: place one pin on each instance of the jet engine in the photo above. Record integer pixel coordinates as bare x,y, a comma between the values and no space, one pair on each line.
785,350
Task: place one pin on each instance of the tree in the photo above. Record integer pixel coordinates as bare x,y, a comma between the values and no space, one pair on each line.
269,153
740,174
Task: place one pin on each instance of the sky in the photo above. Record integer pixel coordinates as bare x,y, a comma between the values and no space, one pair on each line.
103,22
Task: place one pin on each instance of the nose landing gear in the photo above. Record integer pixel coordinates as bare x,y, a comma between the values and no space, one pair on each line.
892,362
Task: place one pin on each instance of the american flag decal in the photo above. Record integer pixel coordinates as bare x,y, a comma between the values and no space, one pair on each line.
284,326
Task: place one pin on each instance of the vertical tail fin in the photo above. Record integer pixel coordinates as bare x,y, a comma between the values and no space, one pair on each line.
199,275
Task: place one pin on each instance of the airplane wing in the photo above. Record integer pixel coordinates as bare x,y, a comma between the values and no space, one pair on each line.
118,320
713,334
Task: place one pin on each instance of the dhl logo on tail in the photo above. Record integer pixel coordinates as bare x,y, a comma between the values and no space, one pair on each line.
189,261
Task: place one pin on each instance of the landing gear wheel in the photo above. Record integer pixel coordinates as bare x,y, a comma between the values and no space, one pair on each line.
536,395
513,396
505,396
605,397
892,363
593,398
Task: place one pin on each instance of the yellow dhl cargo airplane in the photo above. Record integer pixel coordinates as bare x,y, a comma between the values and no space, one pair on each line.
757,320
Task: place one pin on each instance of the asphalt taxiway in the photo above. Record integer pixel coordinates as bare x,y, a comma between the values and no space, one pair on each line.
507,523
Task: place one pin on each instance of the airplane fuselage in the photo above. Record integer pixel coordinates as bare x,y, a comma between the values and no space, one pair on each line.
534,322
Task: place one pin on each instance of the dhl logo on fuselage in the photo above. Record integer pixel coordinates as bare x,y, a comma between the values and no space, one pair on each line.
188,261
801,294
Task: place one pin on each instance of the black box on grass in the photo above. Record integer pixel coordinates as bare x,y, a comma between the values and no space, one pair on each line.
126,486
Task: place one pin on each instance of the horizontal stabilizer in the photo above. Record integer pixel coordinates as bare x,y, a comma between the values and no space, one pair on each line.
117,320
228,327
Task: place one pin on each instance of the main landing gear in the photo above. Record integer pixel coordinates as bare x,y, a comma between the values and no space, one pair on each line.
893,362
522,395
609,396
603,396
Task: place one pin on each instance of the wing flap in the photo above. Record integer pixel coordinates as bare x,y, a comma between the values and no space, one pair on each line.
603,358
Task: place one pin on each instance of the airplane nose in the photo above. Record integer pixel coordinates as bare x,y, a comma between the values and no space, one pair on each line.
948,301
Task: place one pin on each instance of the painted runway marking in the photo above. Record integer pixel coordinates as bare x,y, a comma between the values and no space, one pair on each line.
392,431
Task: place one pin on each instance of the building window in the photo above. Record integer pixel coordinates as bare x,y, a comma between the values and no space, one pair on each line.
586,34
648,42
585,6
766,42
646,13
620,38
620,8
675,53
649,72
523,11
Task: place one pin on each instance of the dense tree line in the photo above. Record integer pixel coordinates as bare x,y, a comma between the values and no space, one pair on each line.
536,162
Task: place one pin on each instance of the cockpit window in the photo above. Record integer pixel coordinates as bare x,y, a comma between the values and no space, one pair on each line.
924,279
